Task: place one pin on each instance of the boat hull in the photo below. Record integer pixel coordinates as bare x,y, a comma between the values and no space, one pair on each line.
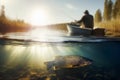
75,29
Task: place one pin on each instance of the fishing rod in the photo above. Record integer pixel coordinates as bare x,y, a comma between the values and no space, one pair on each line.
71,17
66,14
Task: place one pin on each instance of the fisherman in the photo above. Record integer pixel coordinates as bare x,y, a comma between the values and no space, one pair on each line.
87,20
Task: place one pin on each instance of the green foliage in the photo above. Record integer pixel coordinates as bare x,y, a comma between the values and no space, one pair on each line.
110,4
111,17
98,16
116,9
107,10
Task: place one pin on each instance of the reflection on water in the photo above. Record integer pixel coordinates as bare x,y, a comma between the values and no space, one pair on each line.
37,35
26,60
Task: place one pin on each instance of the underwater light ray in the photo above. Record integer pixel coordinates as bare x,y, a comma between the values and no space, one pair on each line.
64,50
15,55
39,54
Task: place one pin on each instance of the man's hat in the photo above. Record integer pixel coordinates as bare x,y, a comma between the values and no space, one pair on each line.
86,12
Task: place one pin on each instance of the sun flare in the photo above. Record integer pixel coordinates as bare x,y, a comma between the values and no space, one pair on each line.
39,17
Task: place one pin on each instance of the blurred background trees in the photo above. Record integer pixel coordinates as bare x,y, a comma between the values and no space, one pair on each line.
116,9
110,19
111,11
9,25
98,16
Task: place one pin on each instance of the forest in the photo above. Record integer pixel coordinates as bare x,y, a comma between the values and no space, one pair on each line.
110,18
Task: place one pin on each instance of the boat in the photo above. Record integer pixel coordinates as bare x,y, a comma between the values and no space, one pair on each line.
75,29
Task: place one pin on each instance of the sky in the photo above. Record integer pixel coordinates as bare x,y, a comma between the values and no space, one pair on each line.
43,12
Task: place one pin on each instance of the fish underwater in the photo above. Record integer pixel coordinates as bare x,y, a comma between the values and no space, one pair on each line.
70,61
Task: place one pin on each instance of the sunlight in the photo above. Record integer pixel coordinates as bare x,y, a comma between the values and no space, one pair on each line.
45,35
39,35
39,17
3,2
33,55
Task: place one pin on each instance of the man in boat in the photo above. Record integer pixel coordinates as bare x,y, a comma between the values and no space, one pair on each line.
87,20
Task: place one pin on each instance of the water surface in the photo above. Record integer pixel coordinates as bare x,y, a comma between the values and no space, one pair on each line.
25,58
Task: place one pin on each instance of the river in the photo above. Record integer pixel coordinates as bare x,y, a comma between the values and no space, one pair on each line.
25,59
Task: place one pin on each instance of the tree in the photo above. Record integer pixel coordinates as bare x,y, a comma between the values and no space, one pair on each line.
116,9
110,4
2,14
98,16
105,14
107,10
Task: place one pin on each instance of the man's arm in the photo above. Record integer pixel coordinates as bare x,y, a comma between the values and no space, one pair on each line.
81,20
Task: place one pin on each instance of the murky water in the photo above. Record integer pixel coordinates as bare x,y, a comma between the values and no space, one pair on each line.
26,59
